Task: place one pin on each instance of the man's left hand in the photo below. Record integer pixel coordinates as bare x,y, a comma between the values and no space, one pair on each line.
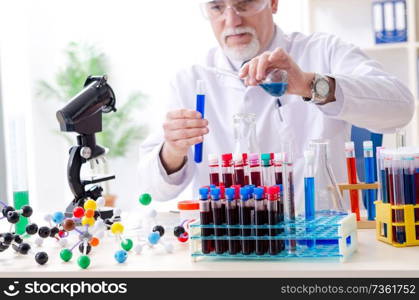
256,70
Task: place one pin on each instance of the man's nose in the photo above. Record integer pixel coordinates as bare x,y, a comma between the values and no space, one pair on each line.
232,19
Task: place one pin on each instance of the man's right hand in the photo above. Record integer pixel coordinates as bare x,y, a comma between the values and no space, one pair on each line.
183,128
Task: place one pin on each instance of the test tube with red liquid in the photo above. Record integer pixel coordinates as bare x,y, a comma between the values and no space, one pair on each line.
255,171
245,219
239,172
214,169
232,213
273,219
352,177
267,170
246,169
227,169
399,198
206,219
278,160
260,219
217,212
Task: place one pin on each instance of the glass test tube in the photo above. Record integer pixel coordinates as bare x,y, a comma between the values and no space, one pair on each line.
227,169
389,174
289,203
278,167
245,219
273,219
369,178
239,172
352,177
232,213
409,180
217,212
382,175
260,219
267,170
206,219
309,192
255,172
246,169
397,168
214,169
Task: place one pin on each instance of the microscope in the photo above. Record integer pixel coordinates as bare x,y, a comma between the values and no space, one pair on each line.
83,115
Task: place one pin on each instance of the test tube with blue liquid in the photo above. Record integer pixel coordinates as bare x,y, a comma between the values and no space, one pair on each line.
200,106
369,178
309,192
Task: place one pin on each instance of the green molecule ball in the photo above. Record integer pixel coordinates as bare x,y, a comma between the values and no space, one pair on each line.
66,255
83,261
127,244
145,199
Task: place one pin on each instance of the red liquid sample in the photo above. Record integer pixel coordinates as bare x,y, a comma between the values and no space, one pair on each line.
281,243
261,219
354,194
215,179
390,186
278,177
220,245
233,219
417,186
255,178
273,219
228,179
246,180
239,178
245,219
206,220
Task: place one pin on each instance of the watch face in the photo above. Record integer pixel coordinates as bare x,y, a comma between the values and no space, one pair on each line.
322,88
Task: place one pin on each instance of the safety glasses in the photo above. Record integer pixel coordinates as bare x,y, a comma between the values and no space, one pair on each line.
215,10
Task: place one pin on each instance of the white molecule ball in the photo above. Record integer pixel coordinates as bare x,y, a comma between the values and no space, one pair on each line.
152,213
39,241
63,242
100,201
48,218
138,249
169,247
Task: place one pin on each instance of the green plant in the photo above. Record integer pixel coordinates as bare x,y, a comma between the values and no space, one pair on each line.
119,129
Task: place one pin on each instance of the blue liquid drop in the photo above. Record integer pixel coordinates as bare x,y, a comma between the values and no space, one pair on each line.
275,89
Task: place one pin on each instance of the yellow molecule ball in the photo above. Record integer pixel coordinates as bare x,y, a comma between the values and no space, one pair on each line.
87,221
117,228
90,204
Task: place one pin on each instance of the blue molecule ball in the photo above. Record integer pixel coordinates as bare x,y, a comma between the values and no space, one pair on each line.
154,237
121,256
58,217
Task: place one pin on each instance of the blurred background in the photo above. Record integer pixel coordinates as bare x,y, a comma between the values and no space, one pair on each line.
48,47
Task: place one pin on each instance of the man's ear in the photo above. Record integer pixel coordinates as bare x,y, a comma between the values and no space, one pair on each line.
274,5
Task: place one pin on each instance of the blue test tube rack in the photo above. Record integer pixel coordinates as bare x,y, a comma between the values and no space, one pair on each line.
334,235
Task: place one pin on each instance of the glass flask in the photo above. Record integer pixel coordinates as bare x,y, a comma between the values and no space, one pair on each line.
245,133
276,83
328,198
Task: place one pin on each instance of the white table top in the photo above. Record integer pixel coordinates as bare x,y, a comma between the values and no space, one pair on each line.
373,259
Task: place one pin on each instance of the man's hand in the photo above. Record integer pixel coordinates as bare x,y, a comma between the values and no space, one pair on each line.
183,128
256,70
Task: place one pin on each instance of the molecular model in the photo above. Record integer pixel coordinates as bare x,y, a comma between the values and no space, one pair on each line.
90,229
15,240
155,233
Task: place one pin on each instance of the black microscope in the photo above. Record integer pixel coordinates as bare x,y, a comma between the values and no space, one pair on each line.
83,115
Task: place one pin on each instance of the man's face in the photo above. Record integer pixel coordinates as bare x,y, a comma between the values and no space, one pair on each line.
244,37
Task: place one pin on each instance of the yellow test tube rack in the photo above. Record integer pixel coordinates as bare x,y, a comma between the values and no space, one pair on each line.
385,224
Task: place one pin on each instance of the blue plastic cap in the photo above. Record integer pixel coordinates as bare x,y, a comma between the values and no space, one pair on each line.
203,193
215,193
230,193
213,186
244,193
258,192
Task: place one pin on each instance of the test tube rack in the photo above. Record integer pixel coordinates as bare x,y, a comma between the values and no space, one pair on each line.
386,225
333,234
363,223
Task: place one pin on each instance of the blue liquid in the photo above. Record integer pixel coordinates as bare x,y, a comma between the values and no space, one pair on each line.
276,89
309,204
370,194
200,106
409,188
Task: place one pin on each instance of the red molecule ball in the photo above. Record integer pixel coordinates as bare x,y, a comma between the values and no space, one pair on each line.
78,212
61,233
183,238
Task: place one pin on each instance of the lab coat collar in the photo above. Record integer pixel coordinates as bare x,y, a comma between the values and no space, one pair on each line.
223,62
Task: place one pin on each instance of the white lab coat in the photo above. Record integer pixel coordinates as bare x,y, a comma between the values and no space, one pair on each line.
366,96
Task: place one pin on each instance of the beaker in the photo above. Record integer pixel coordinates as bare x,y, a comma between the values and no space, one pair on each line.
275,83
245,133
328,198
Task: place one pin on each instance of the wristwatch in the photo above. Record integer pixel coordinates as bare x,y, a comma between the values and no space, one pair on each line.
320,89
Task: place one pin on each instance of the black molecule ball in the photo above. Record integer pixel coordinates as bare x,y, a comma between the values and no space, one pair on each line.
6,209
8,238
54,231
178,231
81,248
24,248
159,228
41,258
27,211
13,217
44,232
32,229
